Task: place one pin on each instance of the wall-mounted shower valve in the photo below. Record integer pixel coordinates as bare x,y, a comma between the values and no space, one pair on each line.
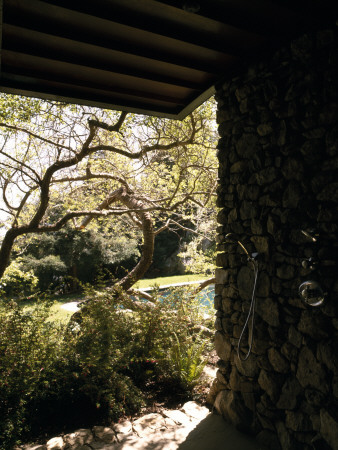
312,293
310,263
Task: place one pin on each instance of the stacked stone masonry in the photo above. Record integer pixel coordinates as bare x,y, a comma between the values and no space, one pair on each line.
278,171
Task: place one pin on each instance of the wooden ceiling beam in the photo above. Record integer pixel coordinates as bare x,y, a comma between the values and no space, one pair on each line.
264,17
44,17
172,22
36,43
86,76
65,91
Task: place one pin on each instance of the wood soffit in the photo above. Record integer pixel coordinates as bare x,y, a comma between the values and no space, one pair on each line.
153,57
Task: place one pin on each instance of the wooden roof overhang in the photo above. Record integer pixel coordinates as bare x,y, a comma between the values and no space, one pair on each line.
153,57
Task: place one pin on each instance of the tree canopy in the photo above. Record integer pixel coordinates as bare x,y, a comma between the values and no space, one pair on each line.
69,164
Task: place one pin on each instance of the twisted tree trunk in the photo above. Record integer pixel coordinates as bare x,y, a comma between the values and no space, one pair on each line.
144,222
148,241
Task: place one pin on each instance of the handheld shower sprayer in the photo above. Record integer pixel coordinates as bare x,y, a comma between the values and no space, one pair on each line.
232,238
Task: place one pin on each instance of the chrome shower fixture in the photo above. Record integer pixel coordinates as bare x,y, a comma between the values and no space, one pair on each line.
253,258
312,293
231,237
311,234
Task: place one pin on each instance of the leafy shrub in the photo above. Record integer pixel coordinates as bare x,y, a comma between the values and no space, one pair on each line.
187,360
29,346
81,254
48,374
96,367
16,282
196,259
50,270
172,319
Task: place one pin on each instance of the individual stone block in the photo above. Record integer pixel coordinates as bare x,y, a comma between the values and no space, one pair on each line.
292,195
310,372
215,388
278,362
195,411
79,438
235,380
248,368
149,424
222,346
245,280
265,129
177,416
270,383
315,325
285,437
261,244
248,210
289,395
297,421
329,428
123,427
267,309
295,337
247,145
285,272
55,443
222,276
221,378
264,177
231,406
314,397
105,434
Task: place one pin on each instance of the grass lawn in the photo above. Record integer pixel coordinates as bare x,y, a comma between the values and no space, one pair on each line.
62,315
56,312
163,281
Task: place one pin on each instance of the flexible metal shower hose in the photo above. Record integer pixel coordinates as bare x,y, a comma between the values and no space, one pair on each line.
251,314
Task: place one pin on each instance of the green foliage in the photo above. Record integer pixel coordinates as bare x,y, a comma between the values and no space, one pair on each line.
168,167
81,254
187,359
173,318
16,282
49,373
197,260
98,366
29,346
16,109
50,270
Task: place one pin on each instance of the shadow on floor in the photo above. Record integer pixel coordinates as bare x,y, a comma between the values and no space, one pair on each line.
213,433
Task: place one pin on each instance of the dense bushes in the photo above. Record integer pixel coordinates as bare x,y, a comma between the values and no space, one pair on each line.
98,366
62,259
50,270
16,282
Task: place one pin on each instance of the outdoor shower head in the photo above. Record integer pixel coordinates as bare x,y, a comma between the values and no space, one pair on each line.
311,235
231,237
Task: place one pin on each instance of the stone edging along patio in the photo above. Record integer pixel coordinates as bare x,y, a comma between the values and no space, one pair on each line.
166,430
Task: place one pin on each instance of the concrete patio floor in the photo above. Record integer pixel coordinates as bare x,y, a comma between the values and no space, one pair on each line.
213,433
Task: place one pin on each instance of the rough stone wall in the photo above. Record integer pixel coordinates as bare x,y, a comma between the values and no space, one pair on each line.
278,156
